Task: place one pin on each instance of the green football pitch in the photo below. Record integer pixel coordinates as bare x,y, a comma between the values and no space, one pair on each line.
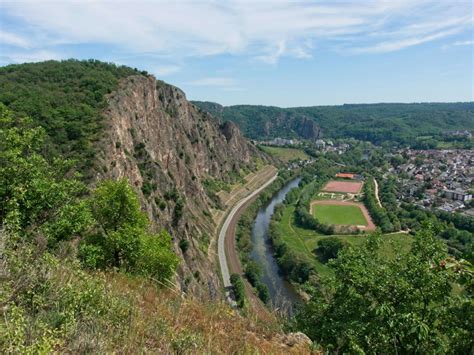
339,215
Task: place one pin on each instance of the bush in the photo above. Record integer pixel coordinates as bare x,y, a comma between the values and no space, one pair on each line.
253,272
263,293
239,289
328,249
121,234
184,245
157,259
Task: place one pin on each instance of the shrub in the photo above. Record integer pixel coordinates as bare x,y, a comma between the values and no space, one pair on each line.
328,249
263,293
239,289
184,245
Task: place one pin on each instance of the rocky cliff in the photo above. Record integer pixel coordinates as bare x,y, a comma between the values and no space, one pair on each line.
171,151
264,122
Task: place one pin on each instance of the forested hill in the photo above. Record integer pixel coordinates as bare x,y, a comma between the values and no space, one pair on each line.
117,122
396,122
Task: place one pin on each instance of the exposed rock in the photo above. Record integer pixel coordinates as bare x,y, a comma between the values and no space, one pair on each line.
167,148
295,340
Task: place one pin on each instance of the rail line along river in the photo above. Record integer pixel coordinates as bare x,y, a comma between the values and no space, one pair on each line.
282,294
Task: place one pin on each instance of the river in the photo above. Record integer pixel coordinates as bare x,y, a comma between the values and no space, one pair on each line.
282,294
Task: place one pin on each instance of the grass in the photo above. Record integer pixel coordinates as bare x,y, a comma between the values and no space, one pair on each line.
339,215
305,241
286,154
75,311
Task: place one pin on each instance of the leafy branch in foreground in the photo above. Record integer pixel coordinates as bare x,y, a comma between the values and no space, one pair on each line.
404,304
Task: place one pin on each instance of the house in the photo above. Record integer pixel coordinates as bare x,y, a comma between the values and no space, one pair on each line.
320,143
457,195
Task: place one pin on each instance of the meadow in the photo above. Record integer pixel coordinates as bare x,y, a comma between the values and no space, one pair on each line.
305,241
286,154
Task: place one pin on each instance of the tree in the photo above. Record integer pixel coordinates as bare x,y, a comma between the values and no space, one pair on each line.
239,289
402,304
121,237
38,194
328,249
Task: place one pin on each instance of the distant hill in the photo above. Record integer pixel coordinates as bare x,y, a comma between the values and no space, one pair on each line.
378,123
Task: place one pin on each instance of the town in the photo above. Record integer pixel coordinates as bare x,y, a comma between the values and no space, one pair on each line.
441,179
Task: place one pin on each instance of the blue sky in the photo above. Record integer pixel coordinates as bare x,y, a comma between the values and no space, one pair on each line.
282,53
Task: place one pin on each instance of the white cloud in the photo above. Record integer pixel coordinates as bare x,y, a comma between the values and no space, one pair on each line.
33,56
391,46
266,30
463,43
213,81
13,39
163,70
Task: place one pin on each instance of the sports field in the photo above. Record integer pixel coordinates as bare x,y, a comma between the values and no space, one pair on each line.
351,187
342,213
339,215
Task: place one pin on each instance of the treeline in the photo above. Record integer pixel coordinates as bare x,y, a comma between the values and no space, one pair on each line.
447,226
303,217
403,124
294,265
313,178
379,215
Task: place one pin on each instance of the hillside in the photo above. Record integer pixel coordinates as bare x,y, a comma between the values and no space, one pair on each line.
378,123
117,122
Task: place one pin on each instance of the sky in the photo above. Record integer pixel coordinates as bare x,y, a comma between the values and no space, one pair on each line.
280,53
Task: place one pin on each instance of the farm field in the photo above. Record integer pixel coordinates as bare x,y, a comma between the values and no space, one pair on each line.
286,154
305,241
339,214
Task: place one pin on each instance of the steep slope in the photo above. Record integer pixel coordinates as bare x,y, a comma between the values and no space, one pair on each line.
262,122
397,123
119,122
169,150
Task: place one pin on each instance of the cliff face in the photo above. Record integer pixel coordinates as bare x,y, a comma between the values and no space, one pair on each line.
170,150
263,122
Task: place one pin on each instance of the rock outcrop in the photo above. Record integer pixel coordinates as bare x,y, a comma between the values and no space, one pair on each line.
170,151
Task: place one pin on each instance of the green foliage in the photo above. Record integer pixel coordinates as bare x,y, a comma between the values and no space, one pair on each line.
33,190
263,292
378,214
238,288
402,304
178,211
115,205
65,98
328,249
121,235
156,257
377,123
253,272
184,245
49,303
39,200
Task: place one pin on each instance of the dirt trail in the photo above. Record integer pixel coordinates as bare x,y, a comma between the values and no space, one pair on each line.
377,193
